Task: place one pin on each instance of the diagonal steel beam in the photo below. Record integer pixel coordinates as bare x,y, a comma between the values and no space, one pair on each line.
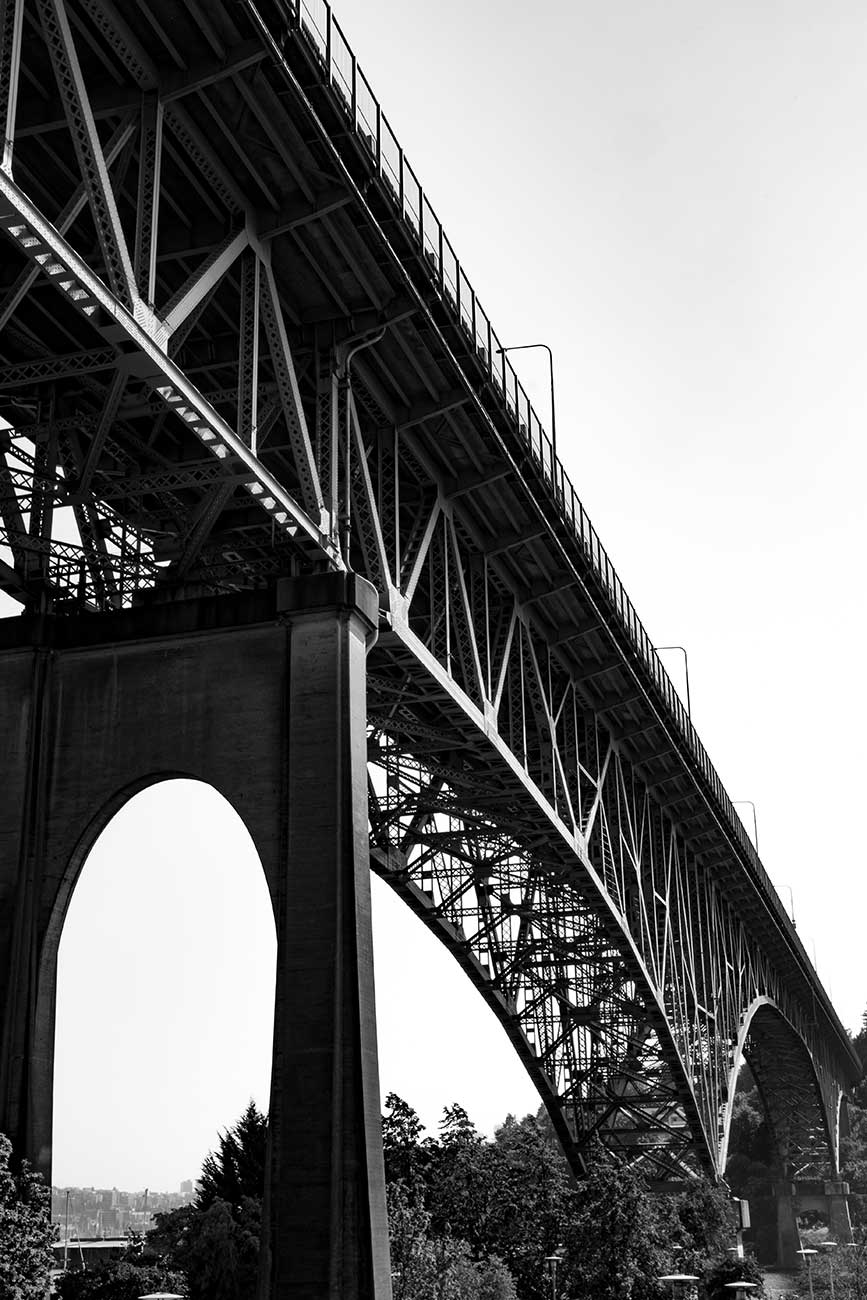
367,519
85,140
10,512
206,71
103,429
202,526
290,395
63,221
204,279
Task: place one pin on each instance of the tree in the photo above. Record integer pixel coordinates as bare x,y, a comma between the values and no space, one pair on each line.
535,1196
615,1244
122,1280
214,1242
237,1170
859,1042
407,1154
853,1147
430,1267
26,1233
699,1225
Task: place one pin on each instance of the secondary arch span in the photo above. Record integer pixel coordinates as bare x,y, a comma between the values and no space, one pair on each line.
803,1121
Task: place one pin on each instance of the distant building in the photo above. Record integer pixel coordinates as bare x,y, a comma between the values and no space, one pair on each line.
187,1187
84,1254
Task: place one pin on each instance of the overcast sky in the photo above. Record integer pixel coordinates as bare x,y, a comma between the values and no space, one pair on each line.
673,195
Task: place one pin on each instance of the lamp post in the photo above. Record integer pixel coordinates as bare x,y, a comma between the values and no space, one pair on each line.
807,1255
680,1283
523,347
735,803
740,1288
552,1261
791,901
657,648
828,1248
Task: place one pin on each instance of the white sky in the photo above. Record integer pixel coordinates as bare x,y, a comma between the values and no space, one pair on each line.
673,195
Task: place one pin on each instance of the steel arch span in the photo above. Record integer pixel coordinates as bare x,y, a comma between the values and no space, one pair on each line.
629,987
239,352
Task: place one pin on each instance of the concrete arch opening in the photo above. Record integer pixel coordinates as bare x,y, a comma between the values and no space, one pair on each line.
165,993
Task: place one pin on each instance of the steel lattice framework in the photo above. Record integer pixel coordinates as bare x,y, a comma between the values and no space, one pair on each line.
236,343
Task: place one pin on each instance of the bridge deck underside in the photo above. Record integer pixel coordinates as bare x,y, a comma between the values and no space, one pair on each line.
198,242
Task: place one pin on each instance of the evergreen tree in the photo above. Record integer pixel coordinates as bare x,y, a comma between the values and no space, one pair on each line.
215,1241
237,1170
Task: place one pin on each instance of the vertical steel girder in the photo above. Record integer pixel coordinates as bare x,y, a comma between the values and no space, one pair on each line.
11,21
148,205
248,351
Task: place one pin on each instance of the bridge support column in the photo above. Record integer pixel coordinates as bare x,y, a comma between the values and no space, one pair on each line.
327,1226
788,1237
27,1028
262,695
839,1223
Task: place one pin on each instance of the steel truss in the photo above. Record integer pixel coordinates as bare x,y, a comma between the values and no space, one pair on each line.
236,343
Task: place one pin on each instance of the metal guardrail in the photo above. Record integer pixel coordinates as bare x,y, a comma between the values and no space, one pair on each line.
339,68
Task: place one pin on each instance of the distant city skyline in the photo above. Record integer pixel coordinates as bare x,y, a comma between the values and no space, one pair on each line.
85,1213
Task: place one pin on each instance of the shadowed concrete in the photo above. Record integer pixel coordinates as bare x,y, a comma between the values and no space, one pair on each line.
263,696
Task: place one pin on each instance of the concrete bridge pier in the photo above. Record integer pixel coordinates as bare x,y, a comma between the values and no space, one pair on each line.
788,1237
262,695
839,1222
829,1198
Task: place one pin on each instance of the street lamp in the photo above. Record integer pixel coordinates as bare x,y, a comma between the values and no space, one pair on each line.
735,803
657,648
680,1283
523,347
807,1255
783,885
828,1248
740,1288
552,1261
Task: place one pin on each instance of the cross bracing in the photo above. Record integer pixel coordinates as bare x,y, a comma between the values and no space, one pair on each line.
236,344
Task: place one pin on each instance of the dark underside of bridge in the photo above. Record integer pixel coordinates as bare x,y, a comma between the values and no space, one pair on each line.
256,144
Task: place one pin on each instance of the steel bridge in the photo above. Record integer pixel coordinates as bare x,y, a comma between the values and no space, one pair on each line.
238,354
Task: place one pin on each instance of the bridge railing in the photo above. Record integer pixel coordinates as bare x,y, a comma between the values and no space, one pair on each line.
341,73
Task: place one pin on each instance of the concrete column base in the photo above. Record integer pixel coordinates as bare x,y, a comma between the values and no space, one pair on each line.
788,1237
839,1223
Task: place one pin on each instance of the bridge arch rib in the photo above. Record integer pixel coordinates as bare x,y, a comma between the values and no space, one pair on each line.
553,956
801,1105
627,982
